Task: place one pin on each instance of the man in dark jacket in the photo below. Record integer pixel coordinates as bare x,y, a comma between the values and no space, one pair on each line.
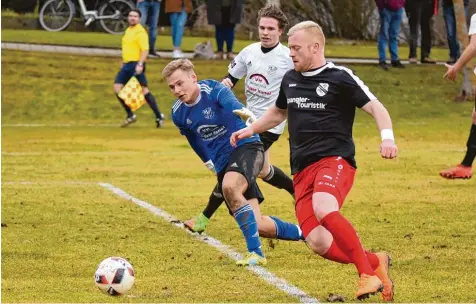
420,12
390,19
224,14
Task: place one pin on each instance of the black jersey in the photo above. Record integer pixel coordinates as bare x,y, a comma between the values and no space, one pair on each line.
321,109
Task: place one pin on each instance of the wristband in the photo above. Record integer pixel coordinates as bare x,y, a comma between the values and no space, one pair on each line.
387,134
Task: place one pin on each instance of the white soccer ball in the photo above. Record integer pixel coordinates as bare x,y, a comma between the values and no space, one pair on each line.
114,276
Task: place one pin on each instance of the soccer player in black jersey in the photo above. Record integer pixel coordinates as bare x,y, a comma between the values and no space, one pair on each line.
319,99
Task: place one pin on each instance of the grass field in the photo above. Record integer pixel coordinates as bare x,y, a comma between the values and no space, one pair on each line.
58,224
334,48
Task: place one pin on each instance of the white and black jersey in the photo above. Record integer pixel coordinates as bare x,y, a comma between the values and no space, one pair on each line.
321,109
264,72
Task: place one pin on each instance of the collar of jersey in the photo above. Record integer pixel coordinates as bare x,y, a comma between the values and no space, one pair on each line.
316,71
196,100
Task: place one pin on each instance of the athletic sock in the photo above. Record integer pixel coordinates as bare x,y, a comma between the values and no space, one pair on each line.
279,179
286,231
214,202
334,253
126,107
245,218
153,104
347,239
471,151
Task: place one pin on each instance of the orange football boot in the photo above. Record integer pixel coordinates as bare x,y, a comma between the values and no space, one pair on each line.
459,171
368,285
382,273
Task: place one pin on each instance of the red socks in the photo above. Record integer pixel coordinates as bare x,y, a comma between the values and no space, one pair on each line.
346,238
334,253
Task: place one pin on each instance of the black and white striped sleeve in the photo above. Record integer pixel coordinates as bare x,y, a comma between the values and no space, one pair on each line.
355,89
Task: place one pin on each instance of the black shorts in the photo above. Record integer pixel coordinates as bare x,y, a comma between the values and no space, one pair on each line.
268,139
248,160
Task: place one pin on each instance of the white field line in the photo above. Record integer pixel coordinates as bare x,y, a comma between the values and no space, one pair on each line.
264,274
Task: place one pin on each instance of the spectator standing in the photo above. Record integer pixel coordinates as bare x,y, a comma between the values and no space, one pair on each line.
224,14
150,10
419,13
178,11
390,19
450,22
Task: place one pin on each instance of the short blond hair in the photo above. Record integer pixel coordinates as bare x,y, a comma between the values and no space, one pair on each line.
311,27
179,64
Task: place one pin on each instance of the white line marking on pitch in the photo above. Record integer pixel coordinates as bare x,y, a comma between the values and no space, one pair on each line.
269,277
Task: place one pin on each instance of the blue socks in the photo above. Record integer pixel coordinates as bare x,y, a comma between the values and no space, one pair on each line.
287,231
245,218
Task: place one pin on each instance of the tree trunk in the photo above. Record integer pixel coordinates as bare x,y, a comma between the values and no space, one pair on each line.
277,2
468,88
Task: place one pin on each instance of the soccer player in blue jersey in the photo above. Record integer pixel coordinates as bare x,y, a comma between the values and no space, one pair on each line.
204,115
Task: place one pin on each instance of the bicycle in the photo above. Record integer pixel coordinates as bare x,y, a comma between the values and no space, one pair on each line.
56,15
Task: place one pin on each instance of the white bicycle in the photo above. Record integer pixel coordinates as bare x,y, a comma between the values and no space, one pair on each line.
56,15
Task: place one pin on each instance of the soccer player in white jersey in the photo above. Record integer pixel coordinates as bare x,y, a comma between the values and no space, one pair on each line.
464,170
263,64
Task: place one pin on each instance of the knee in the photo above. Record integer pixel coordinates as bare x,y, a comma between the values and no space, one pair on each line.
473,116
323,204
230,194
264,172
319,240
145,90
318,247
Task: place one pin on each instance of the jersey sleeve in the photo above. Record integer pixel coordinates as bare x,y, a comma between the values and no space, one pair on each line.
472,25
143,41
281,101
237,67
226,98
355,89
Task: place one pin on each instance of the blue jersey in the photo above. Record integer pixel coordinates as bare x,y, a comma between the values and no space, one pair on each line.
209,122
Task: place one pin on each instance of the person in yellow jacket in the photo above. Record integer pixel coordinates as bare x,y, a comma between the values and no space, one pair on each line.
135,48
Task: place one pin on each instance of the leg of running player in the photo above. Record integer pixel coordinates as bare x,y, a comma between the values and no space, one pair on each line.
321,242
326,209
464,170
274,228
275,176
234,186
199,224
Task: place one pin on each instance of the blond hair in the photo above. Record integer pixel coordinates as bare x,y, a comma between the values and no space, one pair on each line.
179,64
310,26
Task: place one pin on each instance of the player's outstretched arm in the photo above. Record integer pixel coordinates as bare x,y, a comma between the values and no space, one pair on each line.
388,148
273,117
469,52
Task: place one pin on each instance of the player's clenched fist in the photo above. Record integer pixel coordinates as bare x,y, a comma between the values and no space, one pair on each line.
388,149
240,134
227,82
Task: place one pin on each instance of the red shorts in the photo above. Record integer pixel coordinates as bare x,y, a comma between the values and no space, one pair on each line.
333,175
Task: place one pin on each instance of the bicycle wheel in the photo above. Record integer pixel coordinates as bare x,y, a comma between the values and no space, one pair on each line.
56,15
118,10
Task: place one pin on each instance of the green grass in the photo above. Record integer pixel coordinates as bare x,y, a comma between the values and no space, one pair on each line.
334,48
56,233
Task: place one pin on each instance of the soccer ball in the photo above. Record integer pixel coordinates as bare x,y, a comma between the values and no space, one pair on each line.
114,276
